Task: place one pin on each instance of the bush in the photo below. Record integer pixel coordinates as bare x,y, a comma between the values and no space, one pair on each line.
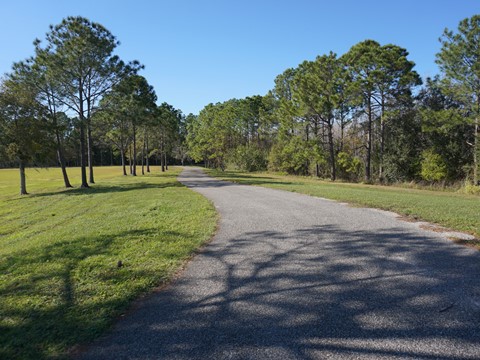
248,158
349,167
295,156
471,189
434,167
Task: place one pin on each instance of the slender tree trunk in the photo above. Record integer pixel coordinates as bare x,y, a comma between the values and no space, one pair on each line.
134,160
61,160
162,161
89,136
130,162
143,155
90,153
369,142
162,158
476,151
111,157
23,182
83,153
166,163
315,133
147,160
124,167
333,174
382,140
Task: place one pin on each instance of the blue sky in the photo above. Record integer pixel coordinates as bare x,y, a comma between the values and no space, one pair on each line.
198,52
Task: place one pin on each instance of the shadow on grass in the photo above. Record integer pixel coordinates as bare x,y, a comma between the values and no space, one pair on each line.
41,313
102,189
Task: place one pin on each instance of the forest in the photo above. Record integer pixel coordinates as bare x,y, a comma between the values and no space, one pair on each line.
363,116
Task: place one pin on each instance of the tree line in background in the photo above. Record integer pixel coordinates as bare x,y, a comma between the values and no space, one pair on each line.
76,103
362,116
359,116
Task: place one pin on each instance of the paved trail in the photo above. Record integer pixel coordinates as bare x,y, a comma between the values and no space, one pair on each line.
290,276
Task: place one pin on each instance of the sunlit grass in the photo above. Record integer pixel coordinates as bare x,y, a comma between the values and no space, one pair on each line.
453,210
60,279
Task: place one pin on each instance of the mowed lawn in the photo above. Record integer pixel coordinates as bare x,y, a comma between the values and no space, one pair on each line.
452,210
60,279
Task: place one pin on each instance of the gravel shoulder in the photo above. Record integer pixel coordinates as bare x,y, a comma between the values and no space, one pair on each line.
289,276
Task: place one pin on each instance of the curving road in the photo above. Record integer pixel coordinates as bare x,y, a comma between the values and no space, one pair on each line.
290,276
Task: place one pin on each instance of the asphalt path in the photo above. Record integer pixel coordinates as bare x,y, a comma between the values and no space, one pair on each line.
289,276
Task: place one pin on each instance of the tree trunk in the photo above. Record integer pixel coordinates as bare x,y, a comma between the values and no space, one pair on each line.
166,163
162,158
476,151
83,156
23,182
83,153
90,153
369,142
143,156
382,141
122,155
342,132
130,163
61,160
162,161
333,174
147,161
134,158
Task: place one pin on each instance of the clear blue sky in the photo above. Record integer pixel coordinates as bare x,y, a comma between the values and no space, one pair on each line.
202,51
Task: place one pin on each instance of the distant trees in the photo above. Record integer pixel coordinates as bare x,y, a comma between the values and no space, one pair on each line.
319,88
127,110
327,113
381,79
230,132
356,116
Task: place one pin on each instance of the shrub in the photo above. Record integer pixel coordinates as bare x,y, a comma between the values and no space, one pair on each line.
248,158
434,167
349,167
471,189
295,156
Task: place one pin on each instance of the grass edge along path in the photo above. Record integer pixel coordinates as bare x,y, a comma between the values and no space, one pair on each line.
459,212
72,261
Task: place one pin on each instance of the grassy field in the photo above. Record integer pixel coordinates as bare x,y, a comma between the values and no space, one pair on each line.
60,283
452,210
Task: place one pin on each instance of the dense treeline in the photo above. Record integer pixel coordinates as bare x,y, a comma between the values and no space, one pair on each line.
360,116
76,103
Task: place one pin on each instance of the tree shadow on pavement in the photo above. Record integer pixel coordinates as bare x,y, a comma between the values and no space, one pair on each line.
200,179
324,293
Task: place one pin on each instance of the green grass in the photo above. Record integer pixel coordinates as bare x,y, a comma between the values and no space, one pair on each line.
452,210
60,285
